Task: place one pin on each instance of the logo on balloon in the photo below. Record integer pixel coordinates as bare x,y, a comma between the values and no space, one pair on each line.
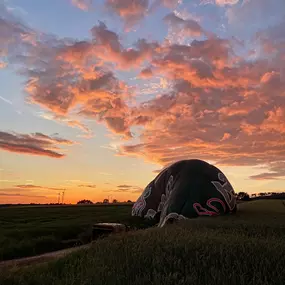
140,205
226,190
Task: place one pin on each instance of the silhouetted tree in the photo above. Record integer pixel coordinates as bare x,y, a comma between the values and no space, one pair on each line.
84,202
115,201
243,196
106,201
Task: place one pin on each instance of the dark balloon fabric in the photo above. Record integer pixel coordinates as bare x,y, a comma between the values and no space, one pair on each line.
186,189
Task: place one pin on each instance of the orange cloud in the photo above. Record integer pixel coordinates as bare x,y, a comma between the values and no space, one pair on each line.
109,48
131,11
232,114
146,73
33,144
3,64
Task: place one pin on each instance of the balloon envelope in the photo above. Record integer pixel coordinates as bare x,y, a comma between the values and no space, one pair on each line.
186,189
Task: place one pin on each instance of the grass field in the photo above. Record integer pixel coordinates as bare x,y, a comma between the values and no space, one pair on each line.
246,248
31,230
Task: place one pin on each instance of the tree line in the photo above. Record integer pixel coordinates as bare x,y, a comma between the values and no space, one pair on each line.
244,196
105,201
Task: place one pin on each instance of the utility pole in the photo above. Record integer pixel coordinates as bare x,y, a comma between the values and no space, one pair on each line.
58,200
63,196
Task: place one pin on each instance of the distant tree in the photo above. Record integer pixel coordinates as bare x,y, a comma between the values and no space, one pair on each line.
115,201
106,201
246,197
84,202
243,196
129,201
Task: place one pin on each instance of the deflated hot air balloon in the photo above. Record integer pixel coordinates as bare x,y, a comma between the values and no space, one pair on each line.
186,189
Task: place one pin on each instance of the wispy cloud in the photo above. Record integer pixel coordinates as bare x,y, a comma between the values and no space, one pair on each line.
6,100
128,188
87,186
226,2
65,121
105,173
277,172
31,186
21,195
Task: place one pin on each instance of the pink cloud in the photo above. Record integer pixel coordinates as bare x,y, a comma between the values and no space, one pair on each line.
82,4
226,2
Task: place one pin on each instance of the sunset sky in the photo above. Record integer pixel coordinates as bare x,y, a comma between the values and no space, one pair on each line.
97,96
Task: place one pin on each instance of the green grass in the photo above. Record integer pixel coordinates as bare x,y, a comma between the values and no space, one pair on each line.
246,248
31,230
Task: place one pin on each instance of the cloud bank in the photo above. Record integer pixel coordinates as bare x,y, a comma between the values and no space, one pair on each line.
33,144
219,104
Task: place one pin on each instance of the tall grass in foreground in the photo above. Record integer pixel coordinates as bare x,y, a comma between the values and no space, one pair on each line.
247,248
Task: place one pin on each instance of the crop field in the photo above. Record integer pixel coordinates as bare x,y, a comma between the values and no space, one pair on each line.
245,248
31,230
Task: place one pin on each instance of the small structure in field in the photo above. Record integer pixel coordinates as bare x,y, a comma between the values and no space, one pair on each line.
103,229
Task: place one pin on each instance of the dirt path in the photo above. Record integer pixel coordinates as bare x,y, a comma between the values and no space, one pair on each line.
40,258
